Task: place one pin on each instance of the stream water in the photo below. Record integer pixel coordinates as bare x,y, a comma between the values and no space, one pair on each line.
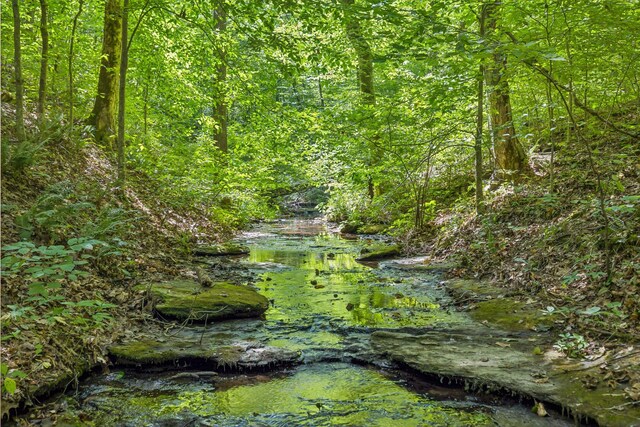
324,304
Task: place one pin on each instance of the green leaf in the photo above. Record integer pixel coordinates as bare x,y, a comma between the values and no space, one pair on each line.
4,368
10,385
591,311
67,266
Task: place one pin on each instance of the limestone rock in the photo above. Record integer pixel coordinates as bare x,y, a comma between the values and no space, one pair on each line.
186,299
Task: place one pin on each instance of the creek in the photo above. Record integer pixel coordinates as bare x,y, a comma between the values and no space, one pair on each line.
324,305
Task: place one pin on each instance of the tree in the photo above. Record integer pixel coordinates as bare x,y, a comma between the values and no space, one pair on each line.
103,115
44,60
364,73
363,51
72,41
509,154
124,61
17,64
220,114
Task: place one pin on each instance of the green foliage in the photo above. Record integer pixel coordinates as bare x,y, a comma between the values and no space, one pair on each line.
46,270
573,345
64,210
9,377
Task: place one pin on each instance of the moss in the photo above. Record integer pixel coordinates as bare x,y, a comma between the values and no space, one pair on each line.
222,249
371,229
511,314
186,299
146,351
381,253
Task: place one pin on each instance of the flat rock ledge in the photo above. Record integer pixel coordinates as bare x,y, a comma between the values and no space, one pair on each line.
498,361
179,352
221,250
188,300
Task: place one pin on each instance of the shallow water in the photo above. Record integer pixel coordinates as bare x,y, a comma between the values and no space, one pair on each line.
324,304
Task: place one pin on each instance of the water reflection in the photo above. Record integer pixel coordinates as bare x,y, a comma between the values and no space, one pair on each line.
325,281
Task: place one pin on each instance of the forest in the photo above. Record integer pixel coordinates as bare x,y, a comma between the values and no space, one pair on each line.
320,212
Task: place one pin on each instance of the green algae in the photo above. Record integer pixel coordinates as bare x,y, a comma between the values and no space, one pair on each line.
328,394
186,299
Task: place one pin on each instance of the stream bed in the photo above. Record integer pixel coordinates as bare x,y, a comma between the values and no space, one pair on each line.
324,305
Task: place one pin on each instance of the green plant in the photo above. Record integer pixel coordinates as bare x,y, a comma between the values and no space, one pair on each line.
573,345
46,270
9,383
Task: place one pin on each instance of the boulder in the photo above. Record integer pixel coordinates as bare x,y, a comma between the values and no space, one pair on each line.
378,253
187,299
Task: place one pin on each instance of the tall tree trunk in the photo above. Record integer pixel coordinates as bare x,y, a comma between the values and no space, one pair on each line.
479,124
363,51
17,64
221,110
365,77
103,115
72,41
509,154
44,60
124,60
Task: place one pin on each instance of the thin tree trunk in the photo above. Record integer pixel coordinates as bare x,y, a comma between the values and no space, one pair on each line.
103,115
44,61
17,64
145,96
122,95
221,110
479,124
71,45
320,92
509,154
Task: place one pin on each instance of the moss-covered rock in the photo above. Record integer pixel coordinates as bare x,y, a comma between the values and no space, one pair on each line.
221,250
186,299
490,304
379,252
356,227
490,359
203,353
371,229
511,314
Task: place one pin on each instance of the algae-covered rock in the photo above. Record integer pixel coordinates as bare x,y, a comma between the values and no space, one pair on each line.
378,253
356,227
186,299
490,304
203,352
495,360
221,250
371,229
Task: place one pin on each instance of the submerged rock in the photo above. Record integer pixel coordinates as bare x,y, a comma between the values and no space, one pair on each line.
497,361
221,250
186,299
378,253
176,350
